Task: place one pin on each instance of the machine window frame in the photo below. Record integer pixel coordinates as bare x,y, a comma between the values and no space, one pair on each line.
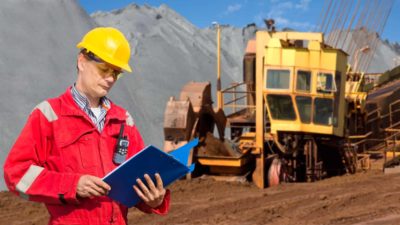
277,113
309,80
289,80
301,112
336,104
317,112
324,90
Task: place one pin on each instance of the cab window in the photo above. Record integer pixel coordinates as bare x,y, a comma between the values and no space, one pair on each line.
325,83
281,107
278,79
303,81
304,107
323,111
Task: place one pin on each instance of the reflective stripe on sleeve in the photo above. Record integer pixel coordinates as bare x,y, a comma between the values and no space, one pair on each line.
47,111
129,120
29,177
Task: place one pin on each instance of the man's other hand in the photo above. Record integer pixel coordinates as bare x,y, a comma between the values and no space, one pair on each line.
151,195
91,186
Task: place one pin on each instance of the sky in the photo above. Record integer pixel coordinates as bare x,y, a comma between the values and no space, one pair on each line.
302,15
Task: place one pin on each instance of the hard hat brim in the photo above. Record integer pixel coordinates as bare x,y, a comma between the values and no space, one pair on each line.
113,62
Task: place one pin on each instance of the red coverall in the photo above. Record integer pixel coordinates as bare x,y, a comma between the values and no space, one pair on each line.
60,143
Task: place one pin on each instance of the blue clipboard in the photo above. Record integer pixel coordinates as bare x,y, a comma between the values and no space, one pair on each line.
150,160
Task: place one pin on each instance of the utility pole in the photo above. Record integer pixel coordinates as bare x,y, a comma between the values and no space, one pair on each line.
219,94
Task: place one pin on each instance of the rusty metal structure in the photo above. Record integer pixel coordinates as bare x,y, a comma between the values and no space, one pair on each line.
304,110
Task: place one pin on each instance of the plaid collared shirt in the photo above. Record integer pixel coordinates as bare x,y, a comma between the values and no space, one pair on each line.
83,103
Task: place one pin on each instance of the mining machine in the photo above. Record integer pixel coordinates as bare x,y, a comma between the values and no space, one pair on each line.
284,115
301,113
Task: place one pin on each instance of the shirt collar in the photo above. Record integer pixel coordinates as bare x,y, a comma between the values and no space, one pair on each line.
83,102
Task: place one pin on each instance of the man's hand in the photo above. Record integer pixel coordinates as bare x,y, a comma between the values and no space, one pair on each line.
91,186
151,195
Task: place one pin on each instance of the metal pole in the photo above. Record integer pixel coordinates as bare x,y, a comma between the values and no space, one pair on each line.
219,94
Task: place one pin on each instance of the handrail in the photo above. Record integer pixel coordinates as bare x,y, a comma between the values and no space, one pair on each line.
234,85
392,130
390,110
360,136
394,125
242,106
392,135
235,100
239,92
237,95
372,112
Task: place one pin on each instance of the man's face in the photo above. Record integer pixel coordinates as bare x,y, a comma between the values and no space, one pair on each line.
96,78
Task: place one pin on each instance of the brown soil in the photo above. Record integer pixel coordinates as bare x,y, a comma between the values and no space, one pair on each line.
364,198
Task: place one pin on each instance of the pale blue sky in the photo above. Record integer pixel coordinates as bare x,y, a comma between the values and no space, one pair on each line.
301,15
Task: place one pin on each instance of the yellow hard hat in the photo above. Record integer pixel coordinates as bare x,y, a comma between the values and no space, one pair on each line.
109,44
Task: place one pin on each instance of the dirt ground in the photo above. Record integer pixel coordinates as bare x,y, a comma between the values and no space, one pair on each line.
364,198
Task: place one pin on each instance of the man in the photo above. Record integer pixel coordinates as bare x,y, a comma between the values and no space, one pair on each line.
70,142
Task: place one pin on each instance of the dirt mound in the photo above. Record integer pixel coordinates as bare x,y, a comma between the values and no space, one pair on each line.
213,146
363,198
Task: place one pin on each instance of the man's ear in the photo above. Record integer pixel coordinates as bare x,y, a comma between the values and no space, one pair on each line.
80,62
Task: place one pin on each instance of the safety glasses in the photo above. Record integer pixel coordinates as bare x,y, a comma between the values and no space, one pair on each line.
104,69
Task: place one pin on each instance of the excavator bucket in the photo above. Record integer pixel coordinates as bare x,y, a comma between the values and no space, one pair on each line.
192,116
